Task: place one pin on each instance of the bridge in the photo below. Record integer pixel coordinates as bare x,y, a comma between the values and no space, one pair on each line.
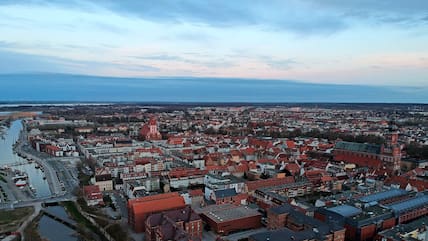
13,164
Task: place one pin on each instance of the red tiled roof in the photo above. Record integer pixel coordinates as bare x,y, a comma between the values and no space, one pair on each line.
196,193
403,181
253,185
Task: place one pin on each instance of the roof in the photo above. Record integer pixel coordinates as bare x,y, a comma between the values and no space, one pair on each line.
409,204
396,232
103,177
345,210
228,212
376,197
230,192
184,214
358,147
153,206
91,189
253,185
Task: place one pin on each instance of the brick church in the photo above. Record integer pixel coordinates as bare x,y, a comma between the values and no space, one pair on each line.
149,131
375,157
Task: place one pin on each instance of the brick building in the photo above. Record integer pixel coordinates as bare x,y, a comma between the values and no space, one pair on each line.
287,223
370,155
140,208
178,224
150,131
360,224
93,195
227,218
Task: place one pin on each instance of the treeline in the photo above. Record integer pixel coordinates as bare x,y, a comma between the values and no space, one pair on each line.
316,133
416,150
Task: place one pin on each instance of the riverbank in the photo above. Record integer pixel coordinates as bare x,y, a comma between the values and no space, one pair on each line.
11,220
23,149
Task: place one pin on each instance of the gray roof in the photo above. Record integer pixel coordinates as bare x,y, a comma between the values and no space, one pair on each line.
358,147
228,212
345,210
376,197
286,234
225,193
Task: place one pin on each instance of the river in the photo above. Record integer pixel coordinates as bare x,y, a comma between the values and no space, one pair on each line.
53,230
7,156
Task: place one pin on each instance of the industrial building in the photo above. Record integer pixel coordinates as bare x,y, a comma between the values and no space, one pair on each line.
227,218
360,223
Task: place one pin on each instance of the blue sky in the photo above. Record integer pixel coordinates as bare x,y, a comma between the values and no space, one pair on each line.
356,42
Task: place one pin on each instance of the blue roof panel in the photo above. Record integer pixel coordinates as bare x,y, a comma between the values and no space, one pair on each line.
376,197
410,204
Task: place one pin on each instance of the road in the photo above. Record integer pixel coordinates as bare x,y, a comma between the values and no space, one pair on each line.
60,178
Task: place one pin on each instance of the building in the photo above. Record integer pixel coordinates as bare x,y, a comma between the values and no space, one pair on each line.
140,208
410,209
227,218
181,224
93,195
104,181
220,182
370,155
287,223
415,230
361,224
385,197
278,195
149,131
224,196
412,163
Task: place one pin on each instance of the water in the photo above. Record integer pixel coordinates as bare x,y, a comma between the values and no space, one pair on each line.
60,212
7,156
53,230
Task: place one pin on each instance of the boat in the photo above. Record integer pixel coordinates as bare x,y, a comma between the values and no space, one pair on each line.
32,189
21,183
37,167
44,177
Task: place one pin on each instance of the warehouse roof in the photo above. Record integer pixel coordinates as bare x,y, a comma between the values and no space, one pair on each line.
228,212
410,204
376,197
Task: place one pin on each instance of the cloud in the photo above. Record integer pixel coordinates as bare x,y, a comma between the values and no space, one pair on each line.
277,15
207,61
296,16
14,62
161,57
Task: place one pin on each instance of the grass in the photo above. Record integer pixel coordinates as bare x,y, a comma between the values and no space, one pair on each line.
2,178
117,232
31,231
11,219
78,217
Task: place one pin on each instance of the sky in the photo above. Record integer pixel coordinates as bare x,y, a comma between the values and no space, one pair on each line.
352,42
